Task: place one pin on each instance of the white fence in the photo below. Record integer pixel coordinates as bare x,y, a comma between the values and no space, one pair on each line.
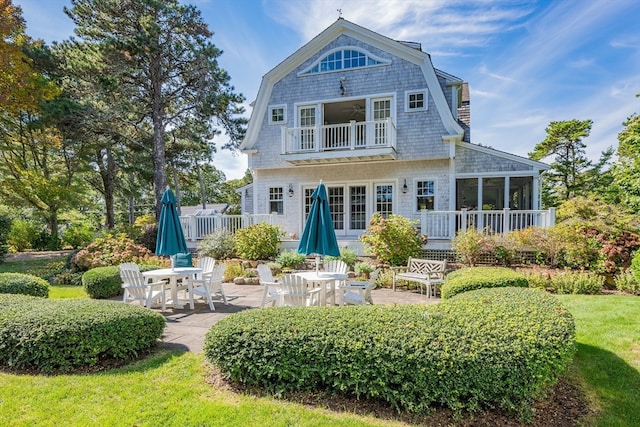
196,227
445,224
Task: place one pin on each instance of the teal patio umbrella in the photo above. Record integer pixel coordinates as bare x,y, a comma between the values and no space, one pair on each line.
170,236
319,236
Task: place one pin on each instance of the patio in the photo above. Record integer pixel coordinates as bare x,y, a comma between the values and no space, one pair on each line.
186,328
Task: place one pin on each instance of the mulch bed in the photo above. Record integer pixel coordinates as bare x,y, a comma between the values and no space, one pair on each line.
565,406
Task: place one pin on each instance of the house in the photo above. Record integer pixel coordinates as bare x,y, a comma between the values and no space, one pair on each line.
386,132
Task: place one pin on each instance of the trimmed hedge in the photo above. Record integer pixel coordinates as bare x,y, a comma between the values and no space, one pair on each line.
486,348
63,334
472,278
105,282
25,284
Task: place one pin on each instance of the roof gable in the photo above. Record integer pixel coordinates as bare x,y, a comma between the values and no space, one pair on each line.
340,27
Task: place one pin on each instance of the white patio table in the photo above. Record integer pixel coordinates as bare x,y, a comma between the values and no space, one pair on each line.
322,279
173,274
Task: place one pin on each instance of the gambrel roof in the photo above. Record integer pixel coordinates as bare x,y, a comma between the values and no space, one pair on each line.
401,50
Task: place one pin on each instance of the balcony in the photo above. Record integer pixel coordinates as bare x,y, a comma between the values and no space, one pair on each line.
339,143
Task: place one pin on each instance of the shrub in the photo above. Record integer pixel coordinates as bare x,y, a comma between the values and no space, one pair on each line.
148,237
77,236
469,246
110,250
393,240
63,334
627,282
347,255
5,227
233,270
572,282
258,241
105,282
26,284
218,245
549,246
471,278
635,266
290,259
363,268
491,347
22,235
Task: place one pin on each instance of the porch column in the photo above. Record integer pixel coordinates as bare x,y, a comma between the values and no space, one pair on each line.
480,222
535,197
506,202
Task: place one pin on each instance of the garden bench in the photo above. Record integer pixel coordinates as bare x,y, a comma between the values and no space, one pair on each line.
425,272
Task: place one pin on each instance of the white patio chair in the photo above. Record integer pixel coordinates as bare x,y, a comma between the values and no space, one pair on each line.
272,290
358,292
206,264
136,287
209,286
335,266
295,292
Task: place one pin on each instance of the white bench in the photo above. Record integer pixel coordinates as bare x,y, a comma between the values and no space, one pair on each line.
425,272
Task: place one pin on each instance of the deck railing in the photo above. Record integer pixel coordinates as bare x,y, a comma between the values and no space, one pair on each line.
445,224
196,227
435,224
343,136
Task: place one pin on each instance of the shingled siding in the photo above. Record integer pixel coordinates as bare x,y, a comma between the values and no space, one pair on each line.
472,161
418,133
367,174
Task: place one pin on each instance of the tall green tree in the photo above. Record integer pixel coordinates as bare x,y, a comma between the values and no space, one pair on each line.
566,178
156,60
626,171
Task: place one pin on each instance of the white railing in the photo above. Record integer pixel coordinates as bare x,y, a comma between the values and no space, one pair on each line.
197,227
445,224
344,136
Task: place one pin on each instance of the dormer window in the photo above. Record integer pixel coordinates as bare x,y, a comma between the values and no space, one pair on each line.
344,59
277,114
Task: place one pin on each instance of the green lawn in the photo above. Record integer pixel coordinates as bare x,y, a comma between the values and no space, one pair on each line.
170,388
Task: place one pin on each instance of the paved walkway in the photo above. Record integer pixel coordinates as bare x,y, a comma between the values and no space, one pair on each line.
186,328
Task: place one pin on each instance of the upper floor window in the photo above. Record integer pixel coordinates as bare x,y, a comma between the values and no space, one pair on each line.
276,200
277,114
344,59
425,195
415,100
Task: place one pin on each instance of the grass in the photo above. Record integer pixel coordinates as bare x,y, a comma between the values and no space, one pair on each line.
170,388
607,363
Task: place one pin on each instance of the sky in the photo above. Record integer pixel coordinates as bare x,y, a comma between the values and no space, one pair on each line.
527,63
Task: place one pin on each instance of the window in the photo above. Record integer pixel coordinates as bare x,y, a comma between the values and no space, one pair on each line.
358,207
344,59
276,200
277,114
425,195
384,200
415,100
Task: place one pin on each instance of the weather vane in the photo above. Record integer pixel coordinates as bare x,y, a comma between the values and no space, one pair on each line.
339,13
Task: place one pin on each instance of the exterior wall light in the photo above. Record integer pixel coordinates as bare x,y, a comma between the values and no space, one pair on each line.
290,190
404,187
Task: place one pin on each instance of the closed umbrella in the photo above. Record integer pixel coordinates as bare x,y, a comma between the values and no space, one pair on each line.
319,236
170,236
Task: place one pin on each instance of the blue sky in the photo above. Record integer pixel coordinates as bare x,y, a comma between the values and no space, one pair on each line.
527,62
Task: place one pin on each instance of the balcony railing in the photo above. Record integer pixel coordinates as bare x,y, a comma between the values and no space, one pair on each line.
343,136
445,224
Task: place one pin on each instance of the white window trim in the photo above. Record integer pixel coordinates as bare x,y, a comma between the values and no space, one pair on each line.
284,114
281,200
408,93
381,61
415,192
374,194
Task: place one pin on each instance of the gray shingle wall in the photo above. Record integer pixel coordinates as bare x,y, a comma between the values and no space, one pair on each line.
472,161
418,133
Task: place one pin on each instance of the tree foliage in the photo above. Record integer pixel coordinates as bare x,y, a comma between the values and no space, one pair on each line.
154,59
564,142
626,171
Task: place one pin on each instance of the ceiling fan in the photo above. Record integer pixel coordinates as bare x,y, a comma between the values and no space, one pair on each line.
355,111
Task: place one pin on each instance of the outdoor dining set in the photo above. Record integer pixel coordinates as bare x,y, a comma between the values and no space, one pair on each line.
179,285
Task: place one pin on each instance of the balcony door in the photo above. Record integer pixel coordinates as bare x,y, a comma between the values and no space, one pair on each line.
307,123
381,112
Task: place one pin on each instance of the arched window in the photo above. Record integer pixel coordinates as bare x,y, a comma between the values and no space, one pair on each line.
344,59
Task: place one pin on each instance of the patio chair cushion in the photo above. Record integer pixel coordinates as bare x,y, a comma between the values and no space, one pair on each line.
183,260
